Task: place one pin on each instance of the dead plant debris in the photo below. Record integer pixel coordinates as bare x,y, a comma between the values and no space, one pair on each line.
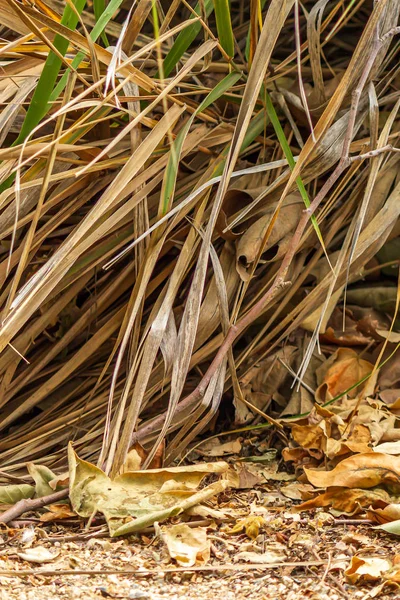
200,290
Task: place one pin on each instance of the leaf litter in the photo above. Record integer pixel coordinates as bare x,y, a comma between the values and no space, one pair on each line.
138,143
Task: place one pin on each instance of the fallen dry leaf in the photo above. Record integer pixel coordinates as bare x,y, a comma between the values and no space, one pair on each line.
348,501
382,587
298,491
362,470
187,545
38,554
57,512
134,500
251,525
331,434
340,372
388,448
251,242
365,569
387,514
217,448
266,558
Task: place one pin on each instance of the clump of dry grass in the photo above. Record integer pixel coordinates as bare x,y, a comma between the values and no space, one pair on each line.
156,164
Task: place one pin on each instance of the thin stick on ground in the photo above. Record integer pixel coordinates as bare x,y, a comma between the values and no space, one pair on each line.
28,504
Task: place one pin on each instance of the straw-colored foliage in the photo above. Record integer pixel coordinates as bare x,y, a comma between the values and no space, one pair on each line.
156,162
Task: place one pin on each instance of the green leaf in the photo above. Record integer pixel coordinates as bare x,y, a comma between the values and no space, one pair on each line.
97,30
40,101
99,7
41,475
184,39
220,89
224,26
280,134
11,494
171,171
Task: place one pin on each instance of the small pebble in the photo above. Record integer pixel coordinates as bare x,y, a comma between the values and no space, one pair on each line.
138,595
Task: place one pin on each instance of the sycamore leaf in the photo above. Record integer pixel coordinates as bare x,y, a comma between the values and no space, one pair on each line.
11,494
362,470
348,501
136,499
339,373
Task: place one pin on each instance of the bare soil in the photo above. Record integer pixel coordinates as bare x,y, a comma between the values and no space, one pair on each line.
316,550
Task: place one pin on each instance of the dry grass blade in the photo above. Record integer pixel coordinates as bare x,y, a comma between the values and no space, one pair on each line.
158,271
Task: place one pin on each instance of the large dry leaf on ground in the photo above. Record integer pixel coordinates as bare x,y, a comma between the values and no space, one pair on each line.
340,372
363,569
389,448
136,499
362,470
387,514
329,433
187,545
349,501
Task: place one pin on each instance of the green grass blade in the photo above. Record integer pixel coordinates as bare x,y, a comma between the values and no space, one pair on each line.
224,26
97,30
220,89
184,39
171,171
289,157
99,7
40,100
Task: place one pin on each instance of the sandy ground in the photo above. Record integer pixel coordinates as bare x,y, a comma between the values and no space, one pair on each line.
316,551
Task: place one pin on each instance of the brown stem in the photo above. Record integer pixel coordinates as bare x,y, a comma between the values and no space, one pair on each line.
376,152
23,506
